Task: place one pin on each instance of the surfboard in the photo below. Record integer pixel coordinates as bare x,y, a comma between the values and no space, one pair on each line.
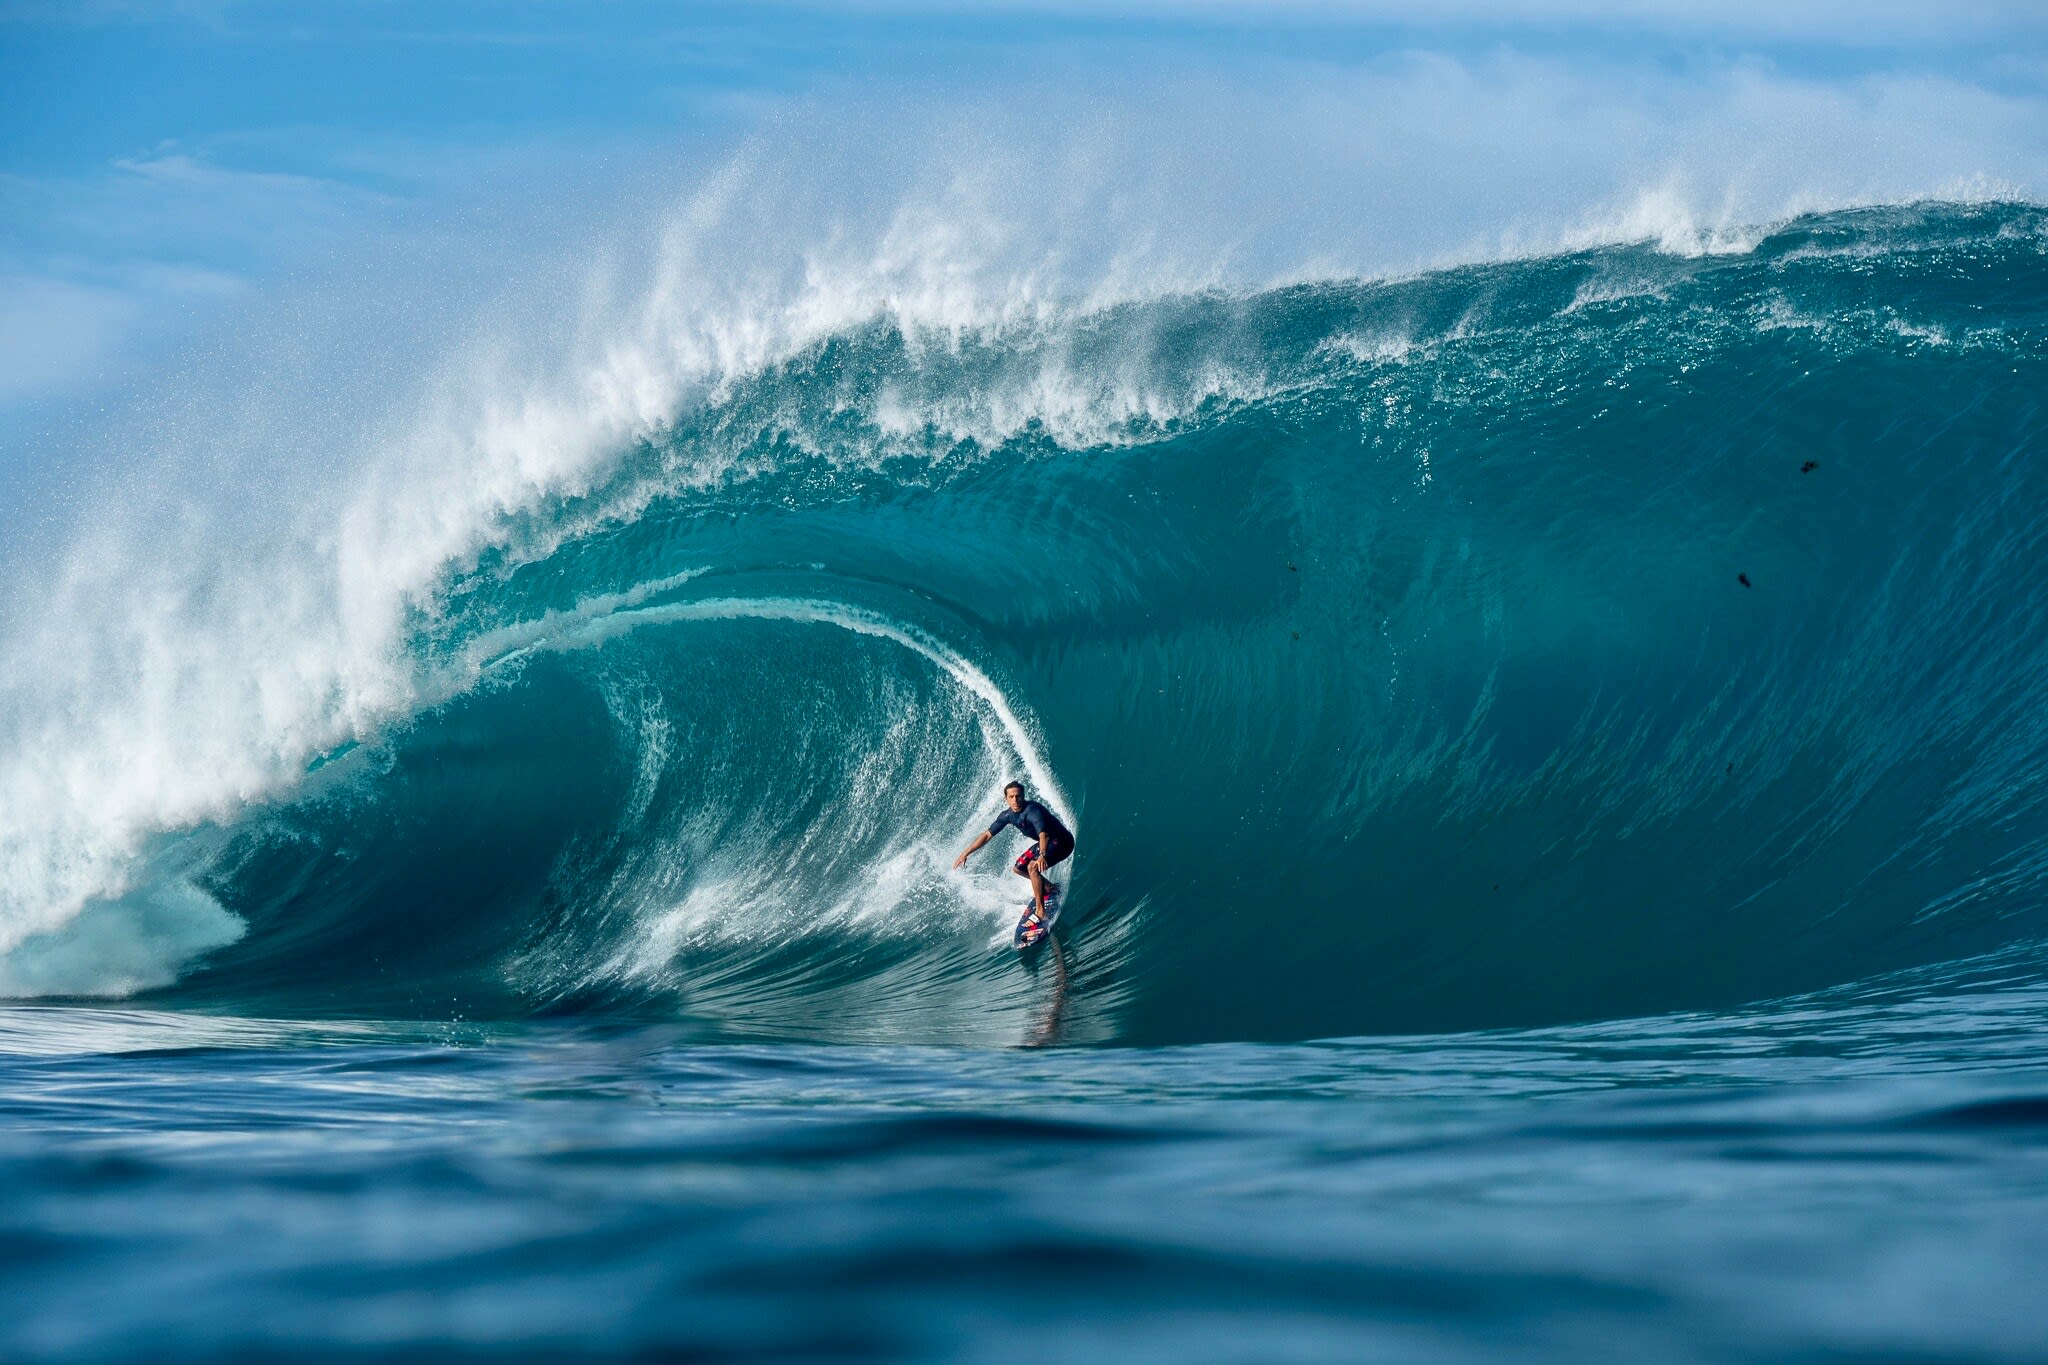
1031,932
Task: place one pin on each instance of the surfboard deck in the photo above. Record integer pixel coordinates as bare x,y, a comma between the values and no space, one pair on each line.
1030,932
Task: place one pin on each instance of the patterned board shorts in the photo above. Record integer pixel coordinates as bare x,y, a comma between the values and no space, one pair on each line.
1059,852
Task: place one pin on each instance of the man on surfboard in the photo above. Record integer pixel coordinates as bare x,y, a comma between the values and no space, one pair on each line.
1052,842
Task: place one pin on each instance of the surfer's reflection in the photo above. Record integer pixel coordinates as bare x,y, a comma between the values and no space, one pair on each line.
1047,1029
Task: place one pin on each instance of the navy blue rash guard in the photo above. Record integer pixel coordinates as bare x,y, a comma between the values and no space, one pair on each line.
1034,820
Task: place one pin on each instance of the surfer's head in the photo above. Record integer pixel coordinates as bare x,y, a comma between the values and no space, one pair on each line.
1014,794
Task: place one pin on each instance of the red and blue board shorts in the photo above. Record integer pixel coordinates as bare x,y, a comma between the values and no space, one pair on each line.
1057,850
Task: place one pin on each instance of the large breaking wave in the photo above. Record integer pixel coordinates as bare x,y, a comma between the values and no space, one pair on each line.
1582,636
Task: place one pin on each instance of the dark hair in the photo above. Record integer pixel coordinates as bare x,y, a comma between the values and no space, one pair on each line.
1009,787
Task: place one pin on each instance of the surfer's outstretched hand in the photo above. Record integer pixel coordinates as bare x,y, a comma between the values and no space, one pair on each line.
979,840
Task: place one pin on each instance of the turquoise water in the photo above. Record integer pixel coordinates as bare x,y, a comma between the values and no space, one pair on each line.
1557,762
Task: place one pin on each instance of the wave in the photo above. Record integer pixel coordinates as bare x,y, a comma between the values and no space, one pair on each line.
1564,638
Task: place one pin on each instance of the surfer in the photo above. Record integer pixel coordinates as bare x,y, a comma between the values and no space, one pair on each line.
1051,842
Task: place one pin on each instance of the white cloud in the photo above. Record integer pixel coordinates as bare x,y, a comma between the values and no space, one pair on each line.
100,266
58,334
55,333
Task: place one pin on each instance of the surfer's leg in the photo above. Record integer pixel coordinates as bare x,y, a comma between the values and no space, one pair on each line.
1056,852
1027,867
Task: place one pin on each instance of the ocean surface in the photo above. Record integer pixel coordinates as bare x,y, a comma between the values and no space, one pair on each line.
1557,754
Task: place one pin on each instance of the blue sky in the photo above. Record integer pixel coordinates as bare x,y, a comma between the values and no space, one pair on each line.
164,165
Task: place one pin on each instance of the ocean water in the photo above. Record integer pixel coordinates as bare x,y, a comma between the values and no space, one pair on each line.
1561,791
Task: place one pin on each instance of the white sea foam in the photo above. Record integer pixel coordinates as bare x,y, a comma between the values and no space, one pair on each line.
1925,333
121,944
1370,348
1778,313
1618,287
1676,222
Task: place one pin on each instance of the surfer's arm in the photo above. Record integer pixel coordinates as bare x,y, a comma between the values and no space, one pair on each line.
979,840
